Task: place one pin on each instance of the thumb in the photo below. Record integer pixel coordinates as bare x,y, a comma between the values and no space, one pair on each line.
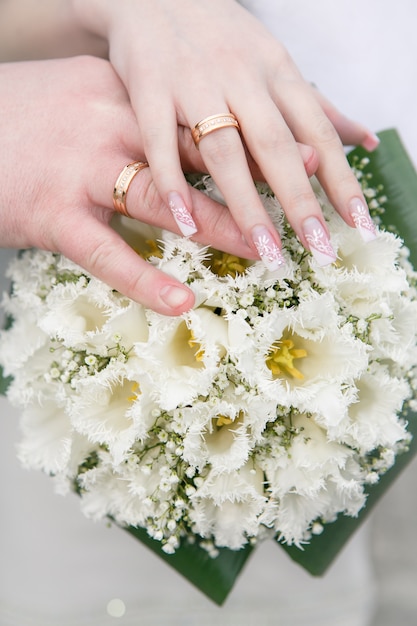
102,252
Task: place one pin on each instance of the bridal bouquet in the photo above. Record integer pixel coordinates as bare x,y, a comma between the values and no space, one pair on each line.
266,411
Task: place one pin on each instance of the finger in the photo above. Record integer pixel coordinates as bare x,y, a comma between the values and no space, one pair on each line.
216,226
103,253
309,157
159,129
272,144
310,125
225,158
350,132
191,160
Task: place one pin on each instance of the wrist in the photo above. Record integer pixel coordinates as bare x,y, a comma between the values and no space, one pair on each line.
30,29
93,15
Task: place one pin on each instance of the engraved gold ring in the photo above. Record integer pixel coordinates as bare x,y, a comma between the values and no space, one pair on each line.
122,183
212,123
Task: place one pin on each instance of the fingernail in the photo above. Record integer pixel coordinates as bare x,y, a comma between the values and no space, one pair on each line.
174,296
267,248
362,220
370,142
181,214
318,242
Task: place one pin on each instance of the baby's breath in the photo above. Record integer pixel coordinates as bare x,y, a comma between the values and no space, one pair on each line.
259,411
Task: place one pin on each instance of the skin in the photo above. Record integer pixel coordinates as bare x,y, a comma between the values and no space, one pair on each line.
84,122
79,131
200,58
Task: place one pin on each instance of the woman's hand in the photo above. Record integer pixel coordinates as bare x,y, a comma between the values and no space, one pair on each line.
183,61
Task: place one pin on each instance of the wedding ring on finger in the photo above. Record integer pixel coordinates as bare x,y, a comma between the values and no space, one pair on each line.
212,123
122,183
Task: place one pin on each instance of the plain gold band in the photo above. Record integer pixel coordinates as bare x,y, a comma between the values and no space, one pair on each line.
212,123
122,183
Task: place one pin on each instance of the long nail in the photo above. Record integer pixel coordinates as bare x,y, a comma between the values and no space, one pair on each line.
370,142
181,214
318,242
267,248
362,220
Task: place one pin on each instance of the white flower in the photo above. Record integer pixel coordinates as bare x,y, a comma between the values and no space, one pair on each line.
21,342
100,412
393,335
181,357
303,352
364,272
304,480
47,440
89,316
267,408
374,417
227,506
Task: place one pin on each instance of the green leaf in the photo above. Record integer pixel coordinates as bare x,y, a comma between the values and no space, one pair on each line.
215,577
390,166
4,382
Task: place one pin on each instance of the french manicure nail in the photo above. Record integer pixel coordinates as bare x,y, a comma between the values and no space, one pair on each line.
362,220
370,142
267,248
181,214
318,242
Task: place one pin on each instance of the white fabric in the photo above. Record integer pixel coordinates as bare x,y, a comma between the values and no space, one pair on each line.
59,569
360,53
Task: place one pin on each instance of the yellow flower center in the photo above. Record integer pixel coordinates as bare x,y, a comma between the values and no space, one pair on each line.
199,354
135,392
281,356
223,420
223,264
154,250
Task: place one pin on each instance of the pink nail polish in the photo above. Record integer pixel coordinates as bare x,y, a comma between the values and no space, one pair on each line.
181,214
362,220
267,248
370,142
318,242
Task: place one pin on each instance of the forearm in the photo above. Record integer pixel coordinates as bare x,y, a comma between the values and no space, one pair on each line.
41,29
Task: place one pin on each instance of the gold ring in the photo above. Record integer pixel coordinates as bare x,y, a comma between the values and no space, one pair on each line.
122,183
212,123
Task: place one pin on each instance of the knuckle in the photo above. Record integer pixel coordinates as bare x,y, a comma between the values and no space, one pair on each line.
104,257
324,131
220,147
346,183
152,135
190,157
272,138
149,199
100,256
300,199
135,286
284,64
146,203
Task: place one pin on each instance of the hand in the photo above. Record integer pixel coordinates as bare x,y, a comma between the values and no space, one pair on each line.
67,130
183,61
